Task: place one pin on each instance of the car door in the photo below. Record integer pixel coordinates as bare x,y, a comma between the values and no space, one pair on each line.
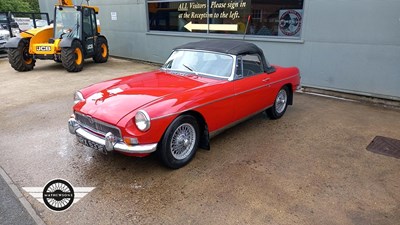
251,86
88,31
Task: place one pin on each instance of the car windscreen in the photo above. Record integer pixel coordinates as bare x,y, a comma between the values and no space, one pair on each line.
200,63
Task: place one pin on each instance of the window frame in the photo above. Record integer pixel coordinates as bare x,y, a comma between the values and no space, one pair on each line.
90,21
250,37
241,64
229,78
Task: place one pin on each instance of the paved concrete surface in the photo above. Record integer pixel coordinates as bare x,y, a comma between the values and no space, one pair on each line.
309,167
11,209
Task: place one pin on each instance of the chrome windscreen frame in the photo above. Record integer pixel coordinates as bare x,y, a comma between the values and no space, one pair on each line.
233,69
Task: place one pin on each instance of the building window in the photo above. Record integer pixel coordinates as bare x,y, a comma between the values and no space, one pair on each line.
274,18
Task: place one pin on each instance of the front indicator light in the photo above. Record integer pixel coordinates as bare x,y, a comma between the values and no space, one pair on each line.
131,141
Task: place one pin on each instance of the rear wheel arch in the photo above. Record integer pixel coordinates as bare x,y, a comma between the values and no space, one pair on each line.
290,97
278,109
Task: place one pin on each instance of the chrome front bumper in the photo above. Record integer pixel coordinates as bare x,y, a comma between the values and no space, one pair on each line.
110,142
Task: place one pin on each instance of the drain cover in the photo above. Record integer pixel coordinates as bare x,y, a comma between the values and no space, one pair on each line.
385,146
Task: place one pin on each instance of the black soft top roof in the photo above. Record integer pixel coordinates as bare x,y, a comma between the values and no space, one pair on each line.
232,47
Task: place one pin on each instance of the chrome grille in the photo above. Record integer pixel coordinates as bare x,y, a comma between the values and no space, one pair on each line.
96,126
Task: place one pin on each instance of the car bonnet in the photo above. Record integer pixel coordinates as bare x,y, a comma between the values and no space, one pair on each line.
131,93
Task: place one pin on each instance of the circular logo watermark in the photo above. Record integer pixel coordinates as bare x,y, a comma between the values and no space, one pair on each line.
290,23
58,195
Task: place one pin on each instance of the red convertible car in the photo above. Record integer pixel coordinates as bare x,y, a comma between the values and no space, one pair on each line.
203,88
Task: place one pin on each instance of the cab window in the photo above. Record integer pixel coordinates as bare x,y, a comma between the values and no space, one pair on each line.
87,23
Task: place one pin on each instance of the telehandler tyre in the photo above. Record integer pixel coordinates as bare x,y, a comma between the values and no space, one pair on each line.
19,57
101,54
72,58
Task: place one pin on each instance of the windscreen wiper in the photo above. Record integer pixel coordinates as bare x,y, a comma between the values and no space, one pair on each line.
190,68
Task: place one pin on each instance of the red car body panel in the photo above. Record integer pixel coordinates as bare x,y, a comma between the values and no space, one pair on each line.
164,96
218,82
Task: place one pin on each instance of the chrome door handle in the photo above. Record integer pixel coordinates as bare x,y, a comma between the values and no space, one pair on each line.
266,79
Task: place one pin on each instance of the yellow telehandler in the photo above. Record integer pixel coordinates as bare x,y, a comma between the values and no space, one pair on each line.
73,37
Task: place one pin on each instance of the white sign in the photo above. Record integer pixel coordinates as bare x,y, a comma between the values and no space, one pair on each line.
214,27
290,21
58,194
114,16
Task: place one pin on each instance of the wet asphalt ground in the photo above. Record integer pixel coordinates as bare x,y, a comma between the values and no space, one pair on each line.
309,167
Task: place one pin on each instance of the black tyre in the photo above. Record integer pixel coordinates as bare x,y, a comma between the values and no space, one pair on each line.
19,57
101,50
280,104
72,58
179,143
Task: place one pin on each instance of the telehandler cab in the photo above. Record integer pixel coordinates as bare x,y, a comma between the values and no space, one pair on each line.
74,36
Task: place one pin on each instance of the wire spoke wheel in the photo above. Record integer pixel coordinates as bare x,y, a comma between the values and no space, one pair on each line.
280,104
183,141
179,143
280,101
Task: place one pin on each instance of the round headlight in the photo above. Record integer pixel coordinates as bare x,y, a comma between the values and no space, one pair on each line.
142,120
78,97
